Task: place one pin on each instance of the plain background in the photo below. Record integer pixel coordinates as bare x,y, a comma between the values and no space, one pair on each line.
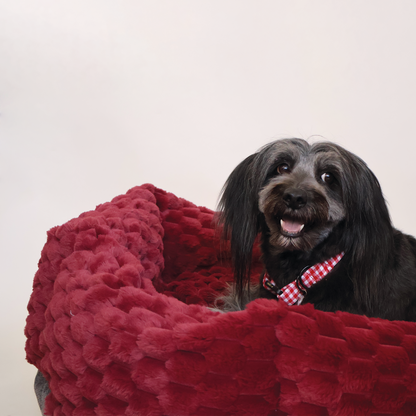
98,96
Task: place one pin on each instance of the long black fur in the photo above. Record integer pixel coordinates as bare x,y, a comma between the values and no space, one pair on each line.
376,277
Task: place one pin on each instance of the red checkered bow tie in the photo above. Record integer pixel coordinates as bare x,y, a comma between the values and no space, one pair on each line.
294,293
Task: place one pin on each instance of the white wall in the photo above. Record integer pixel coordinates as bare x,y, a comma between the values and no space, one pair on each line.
97,96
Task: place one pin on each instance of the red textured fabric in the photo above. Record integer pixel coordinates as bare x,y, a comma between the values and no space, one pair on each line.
118,325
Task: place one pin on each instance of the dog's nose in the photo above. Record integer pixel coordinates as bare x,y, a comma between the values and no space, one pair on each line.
295,198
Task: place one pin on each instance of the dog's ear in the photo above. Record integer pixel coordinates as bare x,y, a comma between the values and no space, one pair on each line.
239,217
366,210
369,232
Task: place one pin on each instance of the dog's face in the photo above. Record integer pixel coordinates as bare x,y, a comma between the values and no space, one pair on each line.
302,196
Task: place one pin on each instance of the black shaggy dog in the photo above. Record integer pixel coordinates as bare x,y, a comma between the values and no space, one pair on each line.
311,203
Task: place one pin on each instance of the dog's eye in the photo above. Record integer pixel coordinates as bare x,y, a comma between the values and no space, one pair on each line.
283,168
327,178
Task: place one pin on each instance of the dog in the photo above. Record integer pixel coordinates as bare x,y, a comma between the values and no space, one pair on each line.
316,207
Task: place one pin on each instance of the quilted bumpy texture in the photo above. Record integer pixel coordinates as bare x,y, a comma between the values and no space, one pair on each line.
118,325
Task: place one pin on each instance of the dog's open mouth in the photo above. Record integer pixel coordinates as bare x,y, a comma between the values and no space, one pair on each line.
291,228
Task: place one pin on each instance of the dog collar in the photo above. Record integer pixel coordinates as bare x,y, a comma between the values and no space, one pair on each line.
294,293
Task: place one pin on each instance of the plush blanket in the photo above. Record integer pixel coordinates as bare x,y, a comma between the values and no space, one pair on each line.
118,325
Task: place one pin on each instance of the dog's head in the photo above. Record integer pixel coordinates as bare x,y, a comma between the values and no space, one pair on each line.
299,192
301,196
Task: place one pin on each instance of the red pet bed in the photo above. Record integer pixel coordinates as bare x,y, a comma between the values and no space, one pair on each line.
118,325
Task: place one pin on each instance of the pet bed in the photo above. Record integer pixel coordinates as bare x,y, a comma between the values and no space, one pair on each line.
118,325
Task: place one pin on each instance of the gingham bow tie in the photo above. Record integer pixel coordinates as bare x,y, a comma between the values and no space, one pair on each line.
294,293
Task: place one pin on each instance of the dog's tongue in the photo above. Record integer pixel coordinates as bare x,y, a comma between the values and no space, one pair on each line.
292,227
